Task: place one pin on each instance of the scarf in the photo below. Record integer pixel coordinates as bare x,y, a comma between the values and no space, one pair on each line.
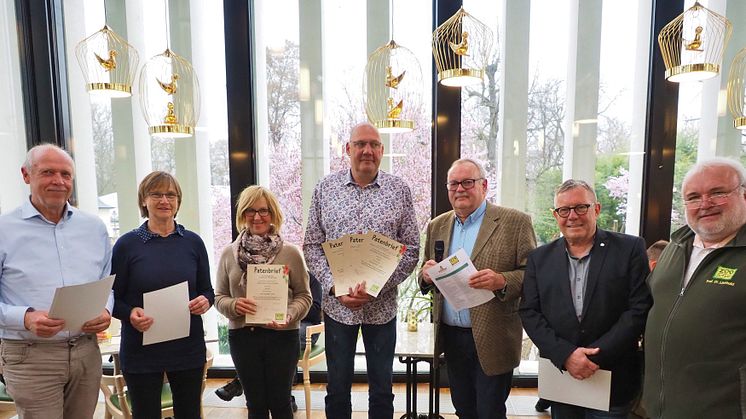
256,250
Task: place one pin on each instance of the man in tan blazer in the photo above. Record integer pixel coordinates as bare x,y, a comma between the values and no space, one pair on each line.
482,344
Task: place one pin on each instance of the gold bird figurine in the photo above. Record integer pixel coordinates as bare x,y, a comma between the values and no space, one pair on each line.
169,88
109,63
394,111
392,81
697,41
170,118
462,48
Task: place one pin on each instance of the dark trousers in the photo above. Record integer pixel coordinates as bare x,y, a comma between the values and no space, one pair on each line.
145,392
474,394
379,340
265,361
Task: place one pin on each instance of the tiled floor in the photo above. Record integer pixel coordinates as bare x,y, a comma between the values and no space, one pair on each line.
520,404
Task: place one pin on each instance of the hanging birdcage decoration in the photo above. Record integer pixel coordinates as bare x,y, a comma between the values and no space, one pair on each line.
392,87
462,47
169,95
692,45
737,90
108,63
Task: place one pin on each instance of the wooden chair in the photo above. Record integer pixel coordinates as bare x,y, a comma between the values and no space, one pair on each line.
312,355
117,399
6,402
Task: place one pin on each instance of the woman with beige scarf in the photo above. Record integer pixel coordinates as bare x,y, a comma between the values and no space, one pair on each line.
265,356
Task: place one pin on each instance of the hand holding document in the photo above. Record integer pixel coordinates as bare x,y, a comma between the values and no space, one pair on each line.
355,258
169,308
76,304
451,276
267,285
593,392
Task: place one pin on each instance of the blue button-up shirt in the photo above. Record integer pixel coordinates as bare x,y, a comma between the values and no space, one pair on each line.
464,236
37,256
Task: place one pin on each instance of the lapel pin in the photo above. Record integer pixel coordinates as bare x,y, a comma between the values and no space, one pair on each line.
603,244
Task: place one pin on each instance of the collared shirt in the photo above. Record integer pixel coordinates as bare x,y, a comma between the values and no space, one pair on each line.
37,256
463,237
578,274
699,252
146,234
340,206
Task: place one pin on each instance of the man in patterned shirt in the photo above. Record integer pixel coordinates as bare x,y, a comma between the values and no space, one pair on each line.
359,200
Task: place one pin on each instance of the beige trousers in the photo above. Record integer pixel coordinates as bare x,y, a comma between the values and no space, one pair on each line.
53,380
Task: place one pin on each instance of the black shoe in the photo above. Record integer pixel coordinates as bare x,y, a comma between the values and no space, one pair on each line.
230,390
292,404
542,405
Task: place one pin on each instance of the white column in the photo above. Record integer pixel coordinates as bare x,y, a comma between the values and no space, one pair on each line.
639,110
80,107
12,130
314,145
190,39
514,47
378,17
131,139
581,124
717,136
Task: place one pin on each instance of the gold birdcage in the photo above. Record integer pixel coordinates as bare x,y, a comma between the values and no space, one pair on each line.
169,95
392,88
692,45
462,46
737,89
108,63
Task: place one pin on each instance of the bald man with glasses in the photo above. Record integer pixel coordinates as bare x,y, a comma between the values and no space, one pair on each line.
585,301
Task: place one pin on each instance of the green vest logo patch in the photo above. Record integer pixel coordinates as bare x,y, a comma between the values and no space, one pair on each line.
723,276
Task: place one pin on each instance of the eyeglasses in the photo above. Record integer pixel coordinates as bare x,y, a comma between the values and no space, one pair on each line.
375,145
466,184
717,198
251,212
564,212
157,196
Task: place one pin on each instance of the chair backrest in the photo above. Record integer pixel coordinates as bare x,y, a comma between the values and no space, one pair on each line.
115,393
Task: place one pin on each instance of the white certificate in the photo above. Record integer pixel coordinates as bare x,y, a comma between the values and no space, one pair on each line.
378,258
594,392
338,255
76,304
169,308
267,285
451,276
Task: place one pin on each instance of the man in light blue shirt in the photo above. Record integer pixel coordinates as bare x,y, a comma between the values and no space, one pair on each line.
482,344
44,244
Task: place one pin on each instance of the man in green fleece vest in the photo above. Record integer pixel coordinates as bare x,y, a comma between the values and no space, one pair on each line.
695,339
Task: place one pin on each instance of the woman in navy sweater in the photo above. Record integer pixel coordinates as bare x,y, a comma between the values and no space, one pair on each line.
158,254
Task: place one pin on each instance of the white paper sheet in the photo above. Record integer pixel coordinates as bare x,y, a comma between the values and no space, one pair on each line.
594,392
169,308
451,276
76,304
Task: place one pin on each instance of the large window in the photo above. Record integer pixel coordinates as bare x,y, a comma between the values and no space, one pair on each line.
12,133
705,126
557,103
112,148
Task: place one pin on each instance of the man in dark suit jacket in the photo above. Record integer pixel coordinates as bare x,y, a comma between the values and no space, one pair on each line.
585,300
482,344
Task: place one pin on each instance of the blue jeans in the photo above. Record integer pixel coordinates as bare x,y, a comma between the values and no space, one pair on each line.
567,411
379,340
474,394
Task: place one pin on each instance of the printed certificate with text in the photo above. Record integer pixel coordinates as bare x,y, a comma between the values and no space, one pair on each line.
268,286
